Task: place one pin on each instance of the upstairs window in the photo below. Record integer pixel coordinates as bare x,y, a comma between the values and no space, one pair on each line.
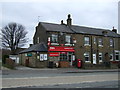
94,40
100,42
54,38
67,39
86,41
111,42
38,40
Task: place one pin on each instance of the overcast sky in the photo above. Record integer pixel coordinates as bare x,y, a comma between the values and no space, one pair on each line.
91,13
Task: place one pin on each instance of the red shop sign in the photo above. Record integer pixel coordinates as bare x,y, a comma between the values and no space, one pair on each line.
54,54
59,48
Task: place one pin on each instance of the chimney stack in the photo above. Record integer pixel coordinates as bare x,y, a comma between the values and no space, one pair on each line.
62,22
114,30
69,20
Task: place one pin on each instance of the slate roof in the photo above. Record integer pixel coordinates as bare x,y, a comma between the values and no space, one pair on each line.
41,47
77,29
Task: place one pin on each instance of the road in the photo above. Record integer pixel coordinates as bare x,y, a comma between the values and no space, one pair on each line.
58,78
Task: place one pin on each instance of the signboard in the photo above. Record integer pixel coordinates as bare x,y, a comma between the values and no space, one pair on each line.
45,56
59,48
54,54
41,57
29,54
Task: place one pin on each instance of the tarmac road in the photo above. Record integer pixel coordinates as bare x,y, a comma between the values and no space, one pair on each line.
57,78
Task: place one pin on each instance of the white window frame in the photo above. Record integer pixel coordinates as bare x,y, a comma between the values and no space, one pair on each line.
111,42
86,41
87,54
100,56
54,36
116,51
38,39
100,42
94,40
67,39
111,55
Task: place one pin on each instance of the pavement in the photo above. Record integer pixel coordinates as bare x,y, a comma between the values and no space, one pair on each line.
69,70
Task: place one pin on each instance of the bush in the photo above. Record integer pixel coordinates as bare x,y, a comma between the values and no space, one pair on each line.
4,58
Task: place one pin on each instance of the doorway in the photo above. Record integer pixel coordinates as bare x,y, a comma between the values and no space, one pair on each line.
94,59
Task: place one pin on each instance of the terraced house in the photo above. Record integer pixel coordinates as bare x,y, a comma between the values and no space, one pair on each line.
66,43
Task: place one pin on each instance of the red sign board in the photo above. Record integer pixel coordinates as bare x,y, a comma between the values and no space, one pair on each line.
54,54
59,48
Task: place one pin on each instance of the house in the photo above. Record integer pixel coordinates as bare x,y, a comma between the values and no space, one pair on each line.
34,56
66,43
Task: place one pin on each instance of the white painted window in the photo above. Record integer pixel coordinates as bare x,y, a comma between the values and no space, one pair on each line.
86,41
100,42
38,40
117,55
67,39
54,38
100,57
94,40
111,42
111,57
86,55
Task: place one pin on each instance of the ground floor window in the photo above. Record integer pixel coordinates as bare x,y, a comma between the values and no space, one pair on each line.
86,55
111,56
63,57
100,57
117,55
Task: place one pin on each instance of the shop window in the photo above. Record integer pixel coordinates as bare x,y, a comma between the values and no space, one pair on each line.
111,42
86,41
111,57
100,42
67,39
117,56
100,57
54,38
63,57
86,55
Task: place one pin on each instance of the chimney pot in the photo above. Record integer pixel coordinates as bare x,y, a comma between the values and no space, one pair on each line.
62,22
69,20
114,30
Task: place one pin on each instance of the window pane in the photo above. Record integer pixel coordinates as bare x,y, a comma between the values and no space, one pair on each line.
100,42
111,42
87,40
54,38
67,39
86,55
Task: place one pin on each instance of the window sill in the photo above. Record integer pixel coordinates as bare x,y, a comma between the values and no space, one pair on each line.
100,45
87,61
54,44
87,45
68,44
100,61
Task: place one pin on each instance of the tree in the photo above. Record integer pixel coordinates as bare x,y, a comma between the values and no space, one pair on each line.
13,36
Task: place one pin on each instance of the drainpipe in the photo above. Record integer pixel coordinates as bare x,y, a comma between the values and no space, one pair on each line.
91,51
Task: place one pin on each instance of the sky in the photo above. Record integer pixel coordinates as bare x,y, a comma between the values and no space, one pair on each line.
90,13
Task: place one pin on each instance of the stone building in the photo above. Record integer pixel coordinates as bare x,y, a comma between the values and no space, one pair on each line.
66,43
34,56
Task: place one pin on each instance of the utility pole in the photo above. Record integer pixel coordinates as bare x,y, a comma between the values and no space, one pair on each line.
39,19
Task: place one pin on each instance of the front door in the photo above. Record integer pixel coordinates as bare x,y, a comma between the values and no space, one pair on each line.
94,59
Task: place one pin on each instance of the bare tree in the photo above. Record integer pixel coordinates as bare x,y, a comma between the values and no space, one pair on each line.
13,36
